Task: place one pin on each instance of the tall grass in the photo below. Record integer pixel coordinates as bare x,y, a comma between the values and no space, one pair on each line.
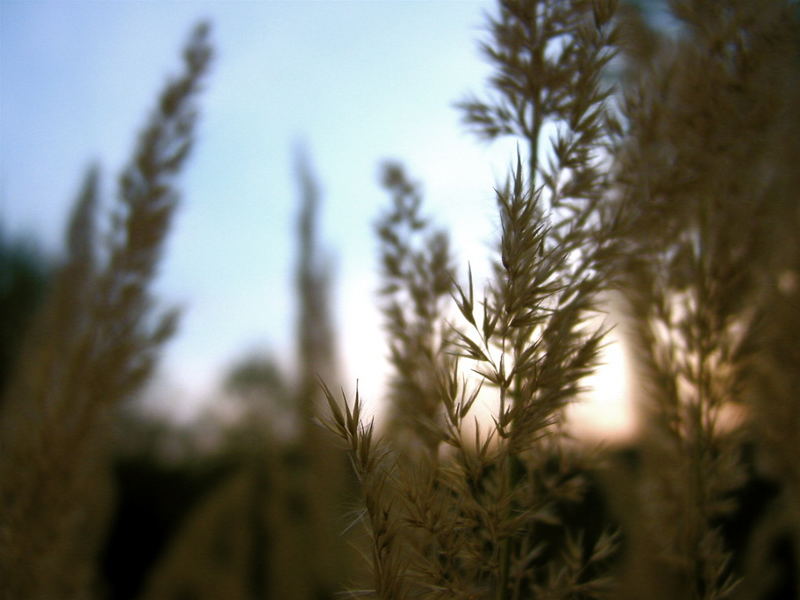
654,164
273,527
701,183
91,349
665,181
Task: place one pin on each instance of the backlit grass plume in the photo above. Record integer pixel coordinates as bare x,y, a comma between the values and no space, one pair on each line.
417,273
471,518
667,182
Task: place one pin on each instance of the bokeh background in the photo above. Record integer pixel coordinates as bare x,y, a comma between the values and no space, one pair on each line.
351,83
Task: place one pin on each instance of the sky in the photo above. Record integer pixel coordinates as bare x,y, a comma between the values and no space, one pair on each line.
353,83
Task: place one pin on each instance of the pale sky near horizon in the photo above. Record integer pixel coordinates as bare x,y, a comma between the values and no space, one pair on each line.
355,82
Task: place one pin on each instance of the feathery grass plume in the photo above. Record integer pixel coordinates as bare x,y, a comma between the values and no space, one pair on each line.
702,190
771,378
534,347
417,273
550,58
94,344
478,523
556,240
373,465
475,523
769,351
550,90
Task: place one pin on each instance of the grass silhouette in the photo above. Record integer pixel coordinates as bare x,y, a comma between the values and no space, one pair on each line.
654,166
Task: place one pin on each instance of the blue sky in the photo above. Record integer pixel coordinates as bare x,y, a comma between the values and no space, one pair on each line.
355,82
